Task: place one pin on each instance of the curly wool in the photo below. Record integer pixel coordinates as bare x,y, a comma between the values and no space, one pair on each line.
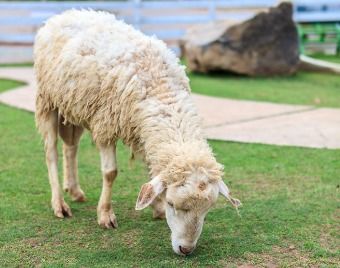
104,75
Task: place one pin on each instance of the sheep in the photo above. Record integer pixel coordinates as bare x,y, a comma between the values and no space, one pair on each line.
97,73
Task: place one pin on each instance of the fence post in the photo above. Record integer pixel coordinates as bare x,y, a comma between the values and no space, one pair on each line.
137,13
212,10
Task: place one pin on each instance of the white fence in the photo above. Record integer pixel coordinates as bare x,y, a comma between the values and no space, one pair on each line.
168,20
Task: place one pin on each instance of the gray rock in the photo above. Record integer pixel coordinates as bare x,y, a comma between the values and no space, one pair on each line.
265,45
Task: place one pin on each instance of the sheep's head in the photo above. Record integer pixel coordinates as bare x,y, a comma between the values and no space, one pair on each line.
186,203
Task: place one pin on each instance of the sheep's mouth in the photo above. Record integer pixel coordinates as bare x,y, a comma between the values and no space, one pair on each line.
185,251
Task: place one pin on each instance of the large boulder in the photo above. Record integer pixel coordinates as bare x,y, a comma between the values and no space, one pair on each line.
265,45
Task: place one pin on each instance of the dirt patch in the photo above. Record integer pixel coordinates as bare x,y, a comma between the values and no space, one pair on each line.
33,242
260,186
130,238
329,238
289,256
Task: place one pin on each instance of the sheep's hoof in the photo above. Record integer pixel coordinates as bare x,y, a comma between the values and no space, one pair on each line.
61,209
107,220
79,198
77,195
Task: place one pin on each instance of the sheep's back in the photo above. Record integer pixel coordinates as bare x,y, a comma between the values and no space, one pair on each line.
94,69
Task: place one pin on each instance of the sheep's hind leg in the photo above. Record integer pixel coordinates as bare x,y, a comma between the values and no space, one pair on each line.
106,216
49,129
71,135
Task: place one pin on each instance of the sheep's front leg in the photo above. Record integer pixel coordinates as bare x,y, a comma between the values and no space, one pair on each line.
106,216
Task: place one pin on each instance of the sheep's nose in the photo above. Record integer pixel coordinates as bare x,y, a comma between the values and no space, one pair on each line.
186,250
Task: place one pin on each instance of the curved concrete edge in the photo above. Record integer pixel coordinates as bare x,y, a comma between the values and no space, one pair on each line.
22,97
314,65
228,119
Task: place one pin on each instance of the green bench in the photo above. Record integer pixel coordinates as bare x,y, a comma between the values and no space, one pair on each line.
319,33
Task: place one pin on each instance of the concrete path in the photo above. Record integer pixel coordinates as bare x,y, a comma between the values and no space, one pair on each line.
15,54
231,120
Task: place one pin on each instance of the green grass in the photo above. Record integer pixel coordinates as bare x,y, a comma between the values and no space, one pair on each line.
303,88
331,58
290,210
22,64
6,84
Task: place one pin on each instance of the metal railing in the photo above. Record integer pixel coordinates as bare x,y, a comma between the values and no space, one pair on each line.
168,20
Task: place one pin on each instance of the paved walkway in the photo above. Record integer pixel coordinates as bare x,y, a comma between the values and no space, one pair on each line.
15,54
231,120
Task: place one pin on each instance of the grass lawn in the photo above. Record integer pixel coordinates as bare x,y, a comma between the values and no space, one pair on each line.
23,64
303,88
290,213
331,58
6,84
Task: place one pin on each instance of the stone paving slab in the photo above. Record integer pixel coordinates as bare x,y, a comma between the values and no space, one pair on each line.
24,74
15,54
230,120
221,111
318,128
22,97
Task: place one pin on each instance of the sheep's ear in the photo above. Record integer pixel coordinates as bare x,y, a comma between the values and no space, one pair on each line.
224,190
149,192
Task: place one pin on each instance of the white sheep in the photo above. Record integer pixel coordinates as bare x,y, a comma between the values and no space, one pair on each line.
98,73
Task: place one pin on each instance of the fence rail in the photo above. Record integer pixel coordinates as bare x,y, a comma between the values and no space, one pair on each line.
35,5
165,19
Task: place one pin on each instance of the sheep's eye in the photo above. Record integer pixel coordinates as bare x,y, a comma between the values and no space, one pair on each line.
185,210
171,204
